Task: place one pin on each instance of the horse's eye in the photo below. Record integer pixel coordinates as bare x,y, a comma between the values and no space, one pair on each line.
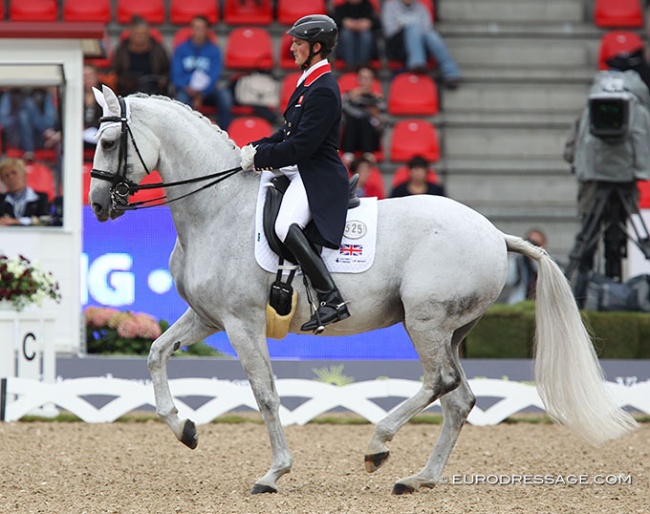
107,145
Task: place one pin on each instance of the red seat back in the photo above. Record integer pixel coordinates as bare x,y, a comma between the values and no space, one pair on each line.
83,10
289,11
40,178
151,10
182,11
249,48
412,94
249,128
618,13
413,137
33,10
184,33
249,12
403,173
617,42
348,81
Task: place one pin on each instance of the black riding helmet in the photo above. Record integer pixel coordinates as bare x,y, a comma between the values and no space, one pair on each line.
315,28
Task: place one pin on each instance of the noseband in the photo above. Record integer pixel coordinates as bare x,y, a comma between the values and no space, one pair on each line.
121,187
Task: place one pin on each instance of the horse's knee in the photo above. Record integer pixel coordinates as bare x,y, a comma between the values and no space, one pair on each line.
156,358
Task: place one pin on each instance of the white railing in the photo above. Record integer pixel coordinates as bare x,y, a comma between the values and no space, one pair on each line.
24,396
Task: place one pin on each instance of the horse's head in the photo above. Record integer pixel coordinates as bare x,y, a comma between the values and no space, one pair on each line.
124,155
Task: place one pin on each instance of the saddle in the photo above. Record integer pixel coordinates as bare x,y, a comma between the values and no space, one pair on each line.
274,196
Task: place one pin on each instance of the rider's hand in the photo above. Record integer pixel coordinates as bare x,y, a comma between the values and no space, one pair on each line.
248,157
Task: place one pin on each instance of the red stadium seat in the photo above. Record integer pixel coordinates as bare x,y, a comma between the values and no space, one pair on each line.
85,188
618,13
153,32
375,3
33,10
249,12
40,178
151,10
2,11
289,11
348,81
617,42
287,62
644,194
375,184
402,173
249,128
83,10
249,48
182,11
287,87
184,33
412,94
414,137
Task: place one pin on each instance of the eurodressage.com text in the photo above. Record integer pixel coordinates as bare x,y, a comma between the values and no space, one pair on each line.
533,479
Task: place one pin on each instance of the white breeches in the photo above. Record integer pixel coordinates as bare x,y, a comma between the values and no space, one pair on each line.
295,205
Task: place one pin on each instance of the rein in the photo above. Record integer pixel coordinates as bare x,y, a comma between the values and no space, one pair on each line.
121,187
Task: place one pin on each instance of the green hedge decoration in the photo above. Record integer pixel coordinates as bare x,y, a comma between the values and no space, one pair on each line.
507,332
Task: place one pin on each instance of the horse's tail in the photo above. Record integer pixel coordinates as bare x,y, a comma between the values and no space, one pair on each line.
567,372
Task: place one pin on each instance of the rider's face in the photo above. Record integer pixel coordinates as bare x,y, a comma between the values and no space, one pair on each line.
300,50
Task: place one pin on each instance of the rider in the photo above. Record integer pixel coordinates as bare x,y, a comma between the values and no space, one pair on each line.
305,149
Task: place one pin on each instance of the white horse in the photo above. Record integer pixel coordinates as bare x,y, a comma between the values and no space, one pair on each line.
439,266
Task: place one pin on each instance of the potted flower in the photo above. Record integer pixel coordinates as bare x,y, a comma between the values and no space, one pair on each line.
112,331
23,282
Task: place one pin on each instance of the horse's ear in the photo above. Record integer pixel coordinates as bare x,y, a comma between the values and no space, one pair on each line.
112,106
99,98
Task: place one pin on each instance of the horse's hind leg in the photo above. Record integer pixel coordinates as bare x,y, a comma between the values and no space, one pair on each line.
188,329
456,406
441,375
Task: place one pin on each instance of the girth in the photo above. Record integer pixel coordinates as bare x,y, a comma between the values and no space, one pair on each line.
274,195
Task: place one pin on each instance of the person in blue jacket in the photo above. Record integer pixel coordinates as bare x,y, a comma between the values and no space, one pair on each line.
196,67
305,149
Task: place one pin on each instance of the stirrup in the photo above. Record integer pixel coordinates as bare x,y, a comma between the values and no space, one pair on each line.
319,320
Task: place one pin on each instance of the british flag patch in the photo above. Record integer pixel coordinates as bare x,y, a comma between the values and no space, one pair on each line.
351,249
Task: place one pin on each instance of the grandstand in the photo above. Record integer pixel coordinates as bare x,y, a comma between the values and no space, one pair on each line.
527,66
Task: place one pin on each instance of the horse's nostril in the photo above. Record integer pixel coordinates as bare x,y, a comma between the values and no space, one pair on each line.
97,208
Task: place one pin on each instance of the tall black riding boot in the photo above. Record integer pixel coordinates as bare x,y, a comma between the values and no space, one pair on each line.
331,306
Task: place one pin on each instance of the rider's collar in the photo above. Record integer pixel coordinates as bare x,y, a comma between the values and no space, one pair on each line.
314,72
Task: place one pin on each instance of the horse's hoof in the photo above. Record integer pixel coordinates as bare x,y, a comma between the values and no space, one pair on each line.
375,461
400,489
190,437
261,489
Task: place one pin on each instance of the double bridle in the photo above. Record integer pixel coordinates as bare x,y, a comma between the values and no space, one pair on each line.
121,187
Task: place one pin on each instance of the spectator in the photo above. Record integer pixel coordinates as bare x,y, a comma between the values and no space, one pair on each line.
92,110
196,67
417,183
357,22
29,119
362,108
20,204
140,63
370,180
522,272
410,34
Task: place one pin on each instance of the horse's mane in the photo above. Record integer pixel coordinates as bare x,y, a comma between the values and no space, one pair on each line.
224,135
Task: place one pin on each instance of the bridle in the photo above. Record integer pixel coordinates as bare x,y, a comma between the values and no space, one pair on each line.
121,187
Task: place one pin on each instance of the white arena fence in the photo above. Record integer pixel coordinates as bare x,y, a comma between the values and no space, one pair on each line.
25,396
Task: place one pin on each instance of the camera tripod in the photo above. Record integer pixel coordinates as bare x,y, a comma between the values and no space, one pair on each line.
611,207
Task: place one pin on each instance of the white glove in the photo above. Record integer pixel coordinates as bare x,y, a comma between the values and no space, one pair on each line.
248,157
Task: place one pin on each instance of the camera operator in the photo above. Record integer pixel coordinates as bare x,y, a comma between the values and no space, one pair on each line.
612,152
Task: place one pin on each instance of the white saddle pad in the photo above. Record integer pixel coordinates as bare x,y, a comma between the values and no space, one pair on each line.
357,251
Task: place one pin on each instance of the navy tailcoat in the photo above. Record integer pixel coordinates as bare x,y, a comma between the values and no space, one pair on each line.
310,139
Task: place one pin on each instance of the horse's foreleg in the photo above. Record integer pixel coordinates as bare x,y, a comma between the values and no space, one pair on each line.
254,356
187,330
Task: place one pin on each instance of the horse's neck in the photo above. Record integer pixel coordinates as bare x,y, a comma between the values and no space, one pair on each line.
201,151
